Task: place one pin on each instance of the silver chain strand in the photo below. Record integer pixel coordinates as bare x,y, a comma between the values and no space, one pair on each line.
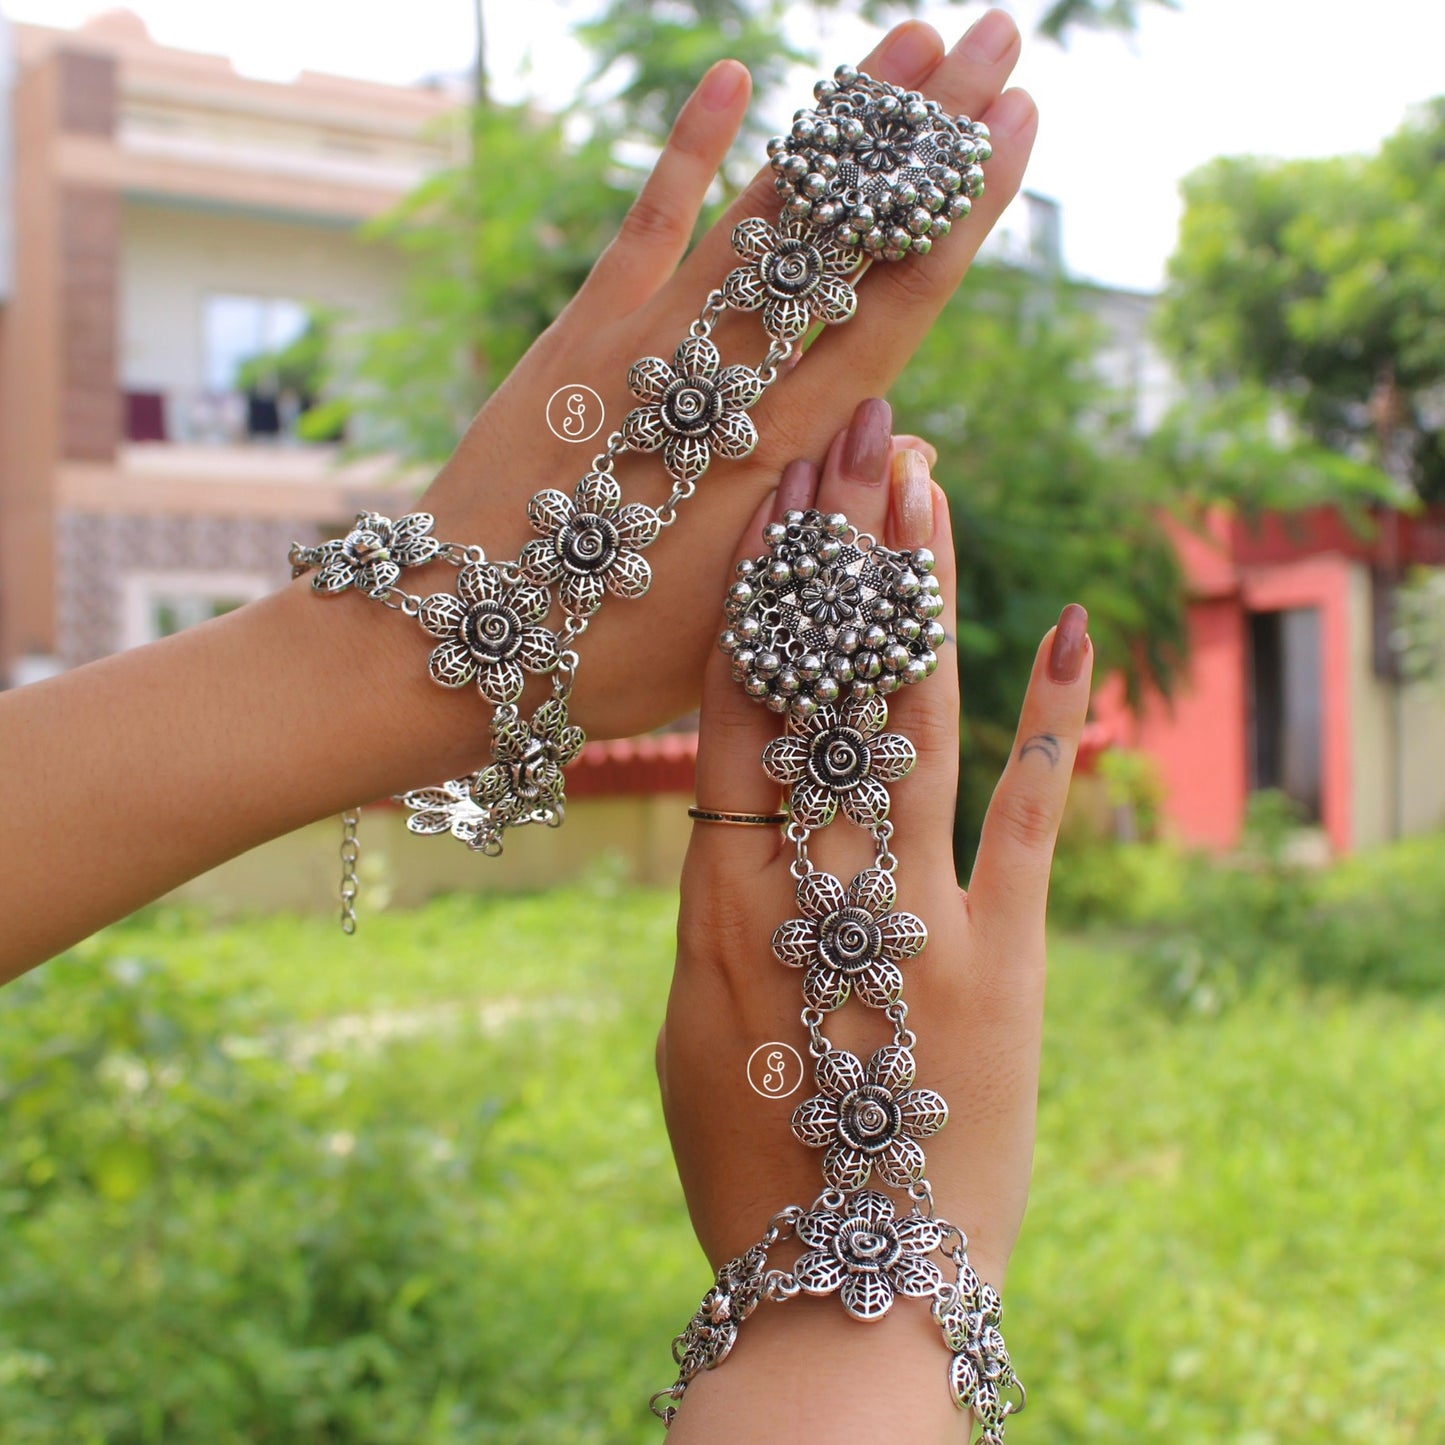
350,853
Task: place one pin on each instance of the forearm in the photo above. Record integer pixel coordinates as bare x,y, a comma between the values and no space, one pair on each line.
126,777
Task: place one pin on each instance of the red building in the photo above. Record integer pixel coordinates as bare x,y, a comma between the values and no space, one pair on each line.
1293,681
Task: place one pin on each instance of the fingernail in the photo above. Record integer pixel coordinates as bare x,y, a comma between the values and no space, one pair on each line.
988,39
912,52
868,443
908,442
720,86
795,490
912,498
1010,113
1066,656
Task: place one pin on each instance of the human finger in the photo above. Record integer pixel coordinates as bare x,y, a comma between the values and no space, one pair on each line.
658,226
1009,887
733,729
926,713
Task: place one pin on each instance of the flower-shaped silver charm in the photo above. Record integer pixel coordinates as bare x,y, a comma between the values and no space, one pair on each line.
523,783
370,557
848,940
590,543
869,1118
792,274
490,632
447,808
868,1255
713,1330
980,1369
691,409
840,755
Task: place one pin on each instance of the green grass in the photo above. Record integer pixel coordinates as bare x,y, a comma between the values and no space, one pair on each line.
1234,1232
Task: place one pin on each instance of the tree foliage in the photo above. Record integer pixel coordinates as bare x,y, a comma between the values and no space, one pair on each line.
1319,287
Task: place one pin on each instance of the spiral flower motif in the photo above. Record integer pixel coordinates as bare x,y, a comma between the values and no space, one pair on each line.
523,783
590,543
839,757
867,1255
490,633
691,409
794,277
370,557
849,940
869,1118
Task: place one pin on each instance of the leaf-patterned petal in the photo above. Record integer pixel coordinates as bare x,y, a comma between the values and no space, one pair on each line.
442,614
637,526
649,378
866,1296
845,1167
686,457
642,429
963,1381
411,544
893,756
629,575
540,562
913,1275
739,386
529,602
785,759
866,803
786,317
549,511
820,894
893,1068
734,436
744,289
919,1235
479,582
876,1208
819,1271
569,744
429,820
873,889
839,1072
924,1111
753,238
818,1230
378,576
451,664
901,1162
442,797
494,783
868,714
538,652
582,592
500,681
697,357
903,935
599,492
824,988
815,1121
835,300
336,575
880,985
812,806
796,942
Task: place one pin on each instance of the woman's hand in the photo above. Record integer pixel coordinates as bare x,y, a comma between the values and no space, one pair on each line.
974,994
639,300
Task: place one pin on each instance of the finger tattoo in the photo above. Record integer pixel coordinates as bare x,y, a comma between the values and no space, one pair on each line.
1045,744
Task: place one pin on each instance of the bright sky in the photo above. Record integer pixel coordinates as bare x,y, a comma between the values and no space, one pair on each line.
1123,119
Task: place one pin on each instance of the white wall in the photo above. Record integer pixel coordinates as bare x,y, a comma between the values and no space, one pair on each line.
172,258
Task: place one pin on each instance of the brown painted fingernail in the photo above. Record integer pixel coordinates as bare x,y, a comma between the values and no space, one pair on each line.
797,487
1066,656
912,499
868,443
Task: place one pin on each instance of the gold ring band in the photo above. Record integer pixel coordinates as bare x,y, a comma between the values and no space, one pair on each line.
738,820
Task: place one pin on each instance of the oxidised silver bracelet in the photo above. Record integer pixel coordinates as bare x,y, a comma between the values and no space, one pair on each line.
823,629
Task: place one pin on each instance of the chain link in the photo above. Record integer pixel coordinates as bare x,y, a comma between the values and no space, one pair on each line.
409,604
350,852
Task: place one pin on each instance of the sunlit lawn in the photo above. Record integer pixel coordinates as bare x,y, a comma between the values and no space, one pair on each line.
1235,1231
